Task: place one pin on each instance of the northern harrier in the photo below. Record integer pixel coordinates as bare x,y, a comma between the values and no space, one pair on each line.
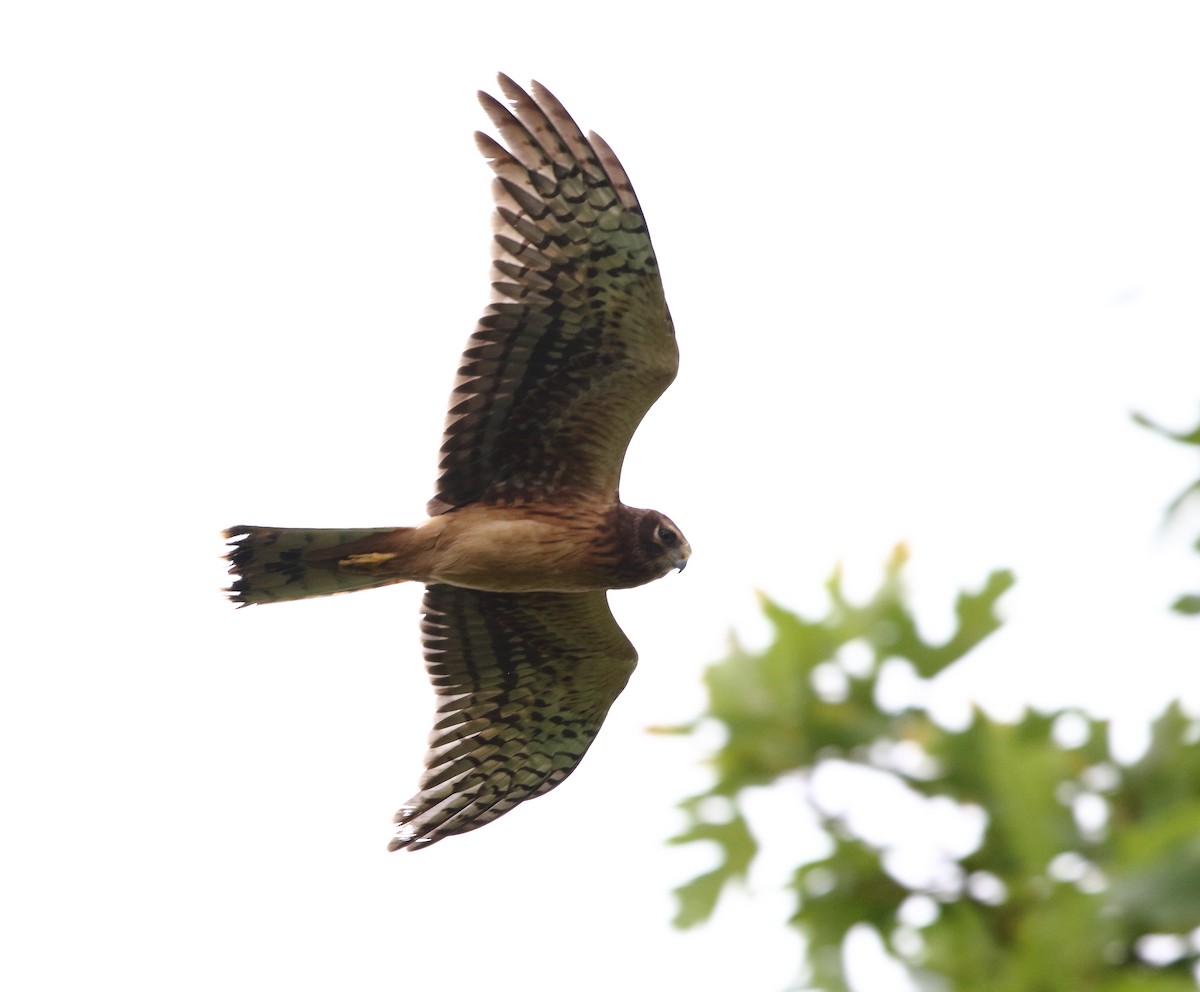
527,530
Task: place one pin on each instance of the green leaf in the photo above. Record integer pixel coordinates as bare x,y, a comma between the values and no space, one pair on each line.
698,898
1188,604
1183,437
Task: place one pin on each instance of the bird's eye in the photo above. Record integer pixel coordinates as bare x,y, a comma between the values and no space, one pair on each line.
667,537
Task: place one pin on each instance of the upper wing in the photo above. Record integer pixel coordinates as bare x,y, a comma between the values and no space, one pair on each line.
524,681
578,343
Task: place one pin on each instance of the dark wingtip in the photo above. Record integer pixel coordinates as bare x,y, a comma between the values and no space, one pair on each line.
407,839
509,86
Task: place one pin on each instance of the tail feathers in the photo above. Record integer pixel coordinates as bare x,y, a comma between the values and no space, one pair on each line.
271,564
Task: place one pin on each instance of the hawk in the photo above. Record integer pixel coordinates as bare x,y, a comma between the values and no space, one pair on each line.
526,531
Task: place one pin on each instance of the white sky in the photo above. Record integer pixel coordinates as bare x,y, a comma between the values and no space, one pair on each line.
923,263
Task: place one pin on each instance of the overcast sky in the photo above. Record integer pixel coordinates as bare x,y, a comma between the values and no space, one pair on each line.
924,261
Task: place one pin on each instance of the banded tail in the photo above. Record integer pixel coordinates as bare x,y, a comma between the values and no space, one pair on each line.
271,564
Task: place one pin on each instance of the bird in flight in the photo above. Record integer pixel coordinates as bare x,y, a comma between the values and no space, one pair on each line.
526,531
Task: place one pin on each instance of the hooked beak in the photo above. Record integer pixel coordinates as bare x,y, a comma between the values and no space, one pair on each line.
681,559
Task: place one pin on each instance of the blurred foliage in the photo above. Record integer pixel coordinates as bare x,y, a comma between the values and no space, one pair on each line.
1080,873
1190,602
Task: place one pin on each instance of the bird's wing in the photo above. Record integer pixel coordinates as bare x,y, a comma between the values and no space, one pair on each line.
578,342
524,681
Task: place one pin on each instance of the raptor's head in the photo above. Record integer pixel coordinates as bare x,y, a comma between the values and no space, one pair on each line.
662,543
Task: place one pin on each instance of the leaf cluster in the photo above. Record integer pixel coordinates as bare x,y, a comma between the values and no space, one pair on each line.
1085,873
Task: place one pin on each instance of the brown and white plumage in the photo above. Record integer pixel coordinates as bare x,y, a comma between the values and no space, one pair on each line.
526,530
578,343
523,683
